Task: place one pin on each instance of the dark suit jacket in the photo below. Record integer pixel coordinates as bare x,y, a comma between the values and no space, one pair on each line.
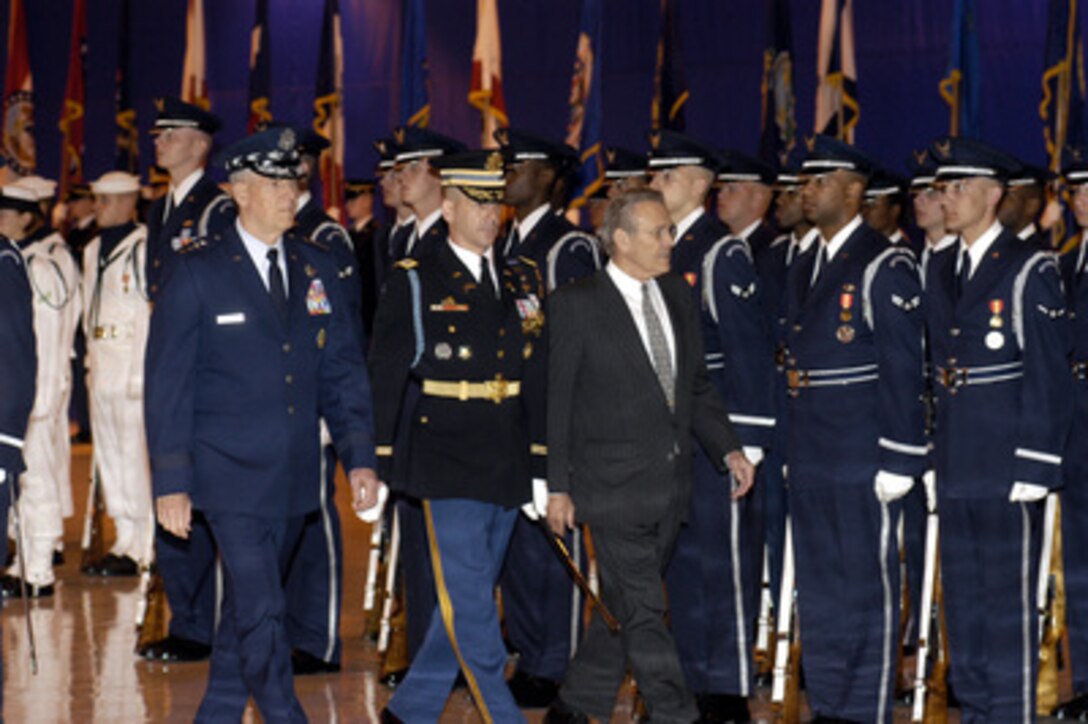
613,443
233,395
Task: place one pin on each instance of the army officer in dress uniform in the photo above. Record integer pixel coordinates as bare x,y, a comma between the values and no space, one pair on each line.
250,346
467,327
999,341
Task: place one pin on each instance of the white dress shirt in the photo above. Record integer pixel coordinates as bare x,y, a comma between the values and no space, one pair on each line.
631,291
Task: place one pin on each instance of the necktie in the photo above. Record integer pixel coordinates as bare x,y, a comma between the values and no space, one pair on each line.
487,284
276,287
821,262
659,346
169,208
412,239
513,242
964,275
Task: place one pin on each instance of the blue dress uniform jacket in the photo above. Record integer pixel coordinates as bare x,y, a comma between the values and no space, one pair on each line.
1075,467
19,371
205,210
434,324
999,353
432,238
233,397
561,251
854,368
18,360
691,248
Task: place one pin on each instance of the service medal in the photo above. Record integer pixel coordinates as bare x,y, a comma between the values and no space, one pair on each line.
691,278
443,351
846,301
995,340
464,352
996,306
845,334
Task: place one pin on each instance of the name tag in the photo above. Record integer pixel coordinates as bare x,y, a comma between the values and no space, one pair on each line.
232,318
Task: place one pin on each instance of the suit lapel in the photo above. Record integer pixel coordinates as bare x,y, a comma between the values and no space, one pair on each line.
619,317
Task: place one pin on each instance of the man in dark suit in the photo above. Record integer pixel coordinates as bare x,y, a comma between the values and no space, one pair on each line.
18,370
250,346
193,207
629,333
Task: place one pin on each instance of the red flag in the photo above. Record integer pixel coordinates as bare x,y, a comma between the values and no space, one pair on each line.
71,116
194,85
485,93
18,96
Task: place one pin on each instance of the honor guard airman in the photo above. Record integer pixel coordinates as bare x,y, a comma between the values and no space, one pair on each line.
115,320
714,577
393,237
885,206
420,187
370,257
18,369
624,170
1074,263
467,327
251,346
542,609
856,436
192,209
999,345
45,488
1023,205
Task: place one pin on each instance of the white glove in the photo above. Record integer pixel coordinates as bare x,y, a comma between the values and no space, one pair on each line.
1027,493
785,471
374,513
754,454
537,508
891,486
929,481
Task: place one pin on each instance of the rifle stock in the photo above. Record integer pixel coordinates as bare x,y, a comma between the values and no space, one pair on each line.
92,544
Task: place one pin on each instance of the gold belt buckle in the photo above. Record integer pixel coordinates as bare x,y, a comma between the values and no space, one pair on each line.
496,389
796,379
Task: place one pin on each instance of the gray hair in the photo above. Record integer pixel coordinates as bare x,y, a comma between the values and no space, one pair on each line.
620,214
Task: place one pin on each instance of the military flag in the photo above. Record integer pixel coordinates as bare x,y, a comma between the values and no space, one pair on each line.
584,128
670,86
1062,106
329,107
19,149
415,104
71,115
128,136
260,71
194,84
837,107
962,87
779,122
485,92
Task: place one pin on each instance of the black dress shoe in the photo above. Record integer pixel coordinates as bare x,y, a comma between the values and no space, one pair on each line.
561,713
532,692
114,566
176,649
12,587
58,558
722,708
1076,709
388,717
304,663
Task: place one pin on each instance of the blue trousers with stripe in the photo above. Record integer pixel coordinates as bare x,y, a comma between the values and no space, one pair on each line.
989,569
315,577
847,564
713,582
1075,538
468,541
251,655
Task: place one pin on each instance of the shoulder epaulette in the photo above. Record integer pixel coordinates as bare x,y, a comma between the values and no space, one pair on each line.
406,264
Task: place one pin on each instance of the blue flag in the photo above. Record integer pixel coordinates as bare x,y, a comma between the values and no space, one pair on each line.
779,135
128,136
415,104
584,129
962,87
1062,107
260,69
670,86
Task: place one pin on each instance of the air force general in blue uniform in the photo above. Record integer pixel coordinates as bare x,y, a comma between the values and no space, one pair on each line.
250,345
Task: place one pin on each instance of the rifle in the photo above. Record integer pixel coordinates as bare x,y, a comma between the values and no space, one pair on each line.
92,544
930,576
786,686
1052,624
20,549
151,606
390,584
763,658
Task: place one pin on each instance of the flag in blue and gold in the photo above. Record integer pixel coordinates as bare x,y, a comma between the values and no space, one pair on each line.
779,121
1062,106
584,128
260,71
837,108
329,107
415,103
670,86
962,87
128,135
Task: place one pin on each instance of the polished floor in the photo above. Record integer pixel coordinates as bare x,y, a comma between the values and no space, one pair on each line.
88,672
